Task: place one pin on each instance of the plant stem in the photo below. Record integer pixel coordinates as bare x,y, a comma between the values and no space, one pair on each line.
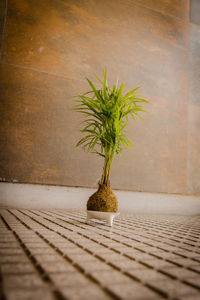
109,154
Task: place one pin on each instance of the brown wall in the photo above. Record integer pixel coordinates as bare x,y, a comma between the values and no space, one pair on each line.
50,46
194,101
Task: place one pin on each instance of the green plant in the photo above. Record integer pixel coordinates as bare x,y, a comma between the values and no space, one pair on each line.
107,110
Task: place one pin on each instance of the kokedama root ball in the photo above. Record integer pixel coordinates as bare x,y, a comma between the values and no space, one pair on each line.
103,200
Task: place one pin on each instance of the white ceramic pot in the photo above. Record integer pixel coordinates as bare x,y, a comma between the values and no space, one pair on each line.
101,215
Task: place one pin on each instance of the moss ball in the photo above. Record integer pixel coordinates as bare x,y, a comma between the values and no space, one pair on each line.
103,200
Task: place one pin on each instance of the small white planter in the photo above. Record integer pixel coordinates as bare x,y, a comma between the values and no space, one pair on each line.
101,215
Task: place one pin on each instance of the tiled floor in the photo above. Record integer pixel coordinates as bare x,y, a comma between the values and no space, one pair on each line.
53,254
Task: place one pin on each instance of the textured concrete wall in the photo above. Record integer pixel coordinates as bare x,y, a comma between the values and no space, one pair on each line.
34,196
50,46
195,11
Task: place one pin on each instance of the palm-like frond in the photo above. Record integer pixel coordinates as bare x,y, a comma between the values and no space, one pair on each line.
107,111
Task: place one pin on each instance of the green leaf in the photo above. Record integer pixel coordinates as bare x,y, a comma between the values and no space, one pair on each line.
107,110
96,152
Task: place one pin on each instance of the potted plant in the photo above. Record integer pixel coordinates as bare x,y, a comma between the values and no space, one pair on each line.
107,110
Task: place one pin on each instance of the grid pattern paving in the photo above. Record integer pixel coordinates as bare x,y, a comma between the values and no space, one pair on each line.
54,254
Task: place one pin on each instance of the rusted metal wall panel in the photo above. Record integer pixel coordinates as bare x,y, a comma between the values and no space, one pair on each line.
39,129
194,112
49,48
75,38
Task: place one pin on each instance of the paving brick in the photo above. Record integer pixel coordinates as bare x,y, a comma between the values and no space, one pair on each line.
133,291
70,279
180,273
51,258
102,250
57,267
75,250
126,264
11,251
173,288
107,277
138,253
36,245
43,251
17,268
31,238
144,275
22,281
196,268
140,256
63,244
7,237
88,266
112,257
157,263
190,297
30,294
195,281
6,244
184,262
85,293
83,257
19,258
